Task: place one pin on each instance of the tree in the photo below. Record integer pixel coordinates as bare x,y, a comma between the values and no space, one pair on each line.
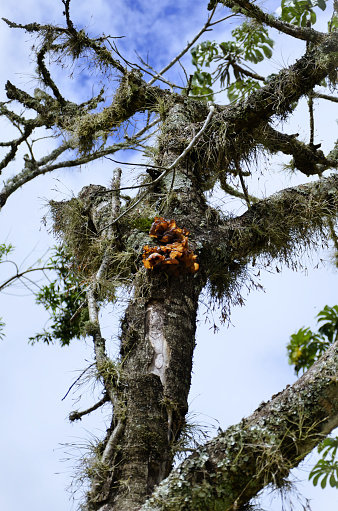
106,244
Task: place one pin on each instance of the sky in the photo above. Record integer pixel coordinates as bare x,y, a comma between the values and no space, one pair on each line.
243,364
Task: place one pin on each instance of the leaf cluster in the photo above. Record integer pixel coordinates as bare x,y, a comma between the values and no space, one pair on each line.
305,346
326,468
301,12
251,44
63,298
5,250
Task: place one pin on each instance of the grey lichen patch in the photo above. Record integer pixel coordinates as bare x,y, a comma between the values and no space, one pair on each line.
210,481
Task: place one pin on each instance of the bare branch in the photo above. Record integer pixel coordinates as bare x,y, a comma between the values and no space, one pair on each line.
21,274
307,158
40,167
77,380
75,416
188,46
325,96
28,129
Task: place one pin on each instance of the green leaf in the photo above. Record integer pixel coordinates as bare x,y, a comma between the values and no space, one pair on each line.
315,480
298,12
321,4
250,36
267,51
5,250
323,481
327,469
332,481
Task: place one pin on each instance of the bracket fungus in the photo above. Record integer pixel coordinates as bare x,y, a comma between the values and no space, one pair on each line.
173,254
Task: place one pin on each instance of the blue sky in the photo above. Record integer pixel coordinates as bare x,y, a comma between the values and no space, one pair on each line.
234,370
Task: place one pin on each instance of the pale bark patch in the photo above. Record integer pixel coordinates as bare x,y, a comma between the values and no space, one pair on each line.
155,334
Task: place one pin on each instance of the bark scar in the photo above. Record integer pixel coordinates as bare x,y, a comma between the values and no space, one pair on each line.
155,333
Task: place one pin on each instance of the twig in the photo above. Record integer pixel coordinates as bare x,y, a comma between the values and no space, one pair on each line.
70,25
188,46
75,416
21,274
312,122
325,96
235,193
76,381
245,190
156,75
143,130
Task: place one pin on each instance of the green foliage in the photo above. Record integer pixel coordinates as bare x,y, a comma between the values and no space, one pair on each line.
5,250
251,44
203,53
327,469
333,23
64,299
201,86
300,12
329,315
241,89
254,41
305,346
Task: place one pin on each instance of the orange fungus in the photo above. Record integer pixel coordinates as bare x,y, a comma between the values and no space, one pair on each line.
173,254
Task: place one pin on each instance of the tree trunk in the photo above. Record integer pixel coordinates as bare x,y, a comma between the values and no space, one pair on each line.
157,344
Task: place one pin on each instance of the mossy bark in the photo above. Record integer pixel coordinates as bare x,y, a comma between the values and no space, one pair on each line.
157,343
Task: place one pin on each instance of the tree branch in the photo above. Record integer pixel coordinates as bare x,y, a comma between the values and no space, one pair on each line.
21,274
286,87
325,96
40,167
282,225
231,469
307,158
76,415
253,11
